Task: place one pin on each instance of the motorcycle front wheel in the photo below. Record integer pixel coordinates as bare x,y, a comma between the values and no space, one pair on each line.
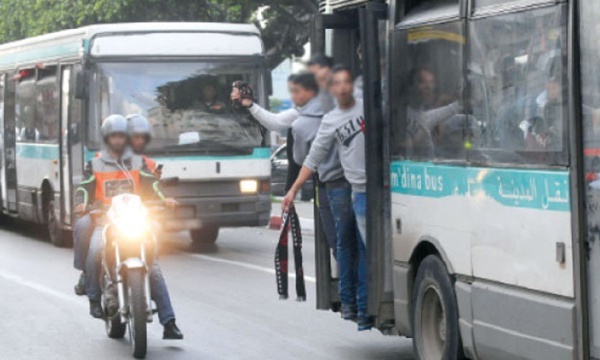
137,313
115,329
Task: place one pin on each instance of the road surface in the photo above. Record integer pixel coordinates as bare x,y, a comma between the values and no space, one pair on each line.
224,297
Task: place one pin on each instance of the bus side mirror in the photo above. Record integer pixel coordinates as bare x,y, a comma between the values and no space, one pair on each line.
81,85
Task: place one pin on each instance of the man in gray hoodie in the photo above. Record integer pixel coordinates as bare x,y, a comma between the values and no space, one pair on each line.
304,121
345,125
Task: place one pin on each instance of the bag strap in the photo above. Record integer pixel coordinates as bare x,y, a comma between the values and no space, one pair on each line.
290,222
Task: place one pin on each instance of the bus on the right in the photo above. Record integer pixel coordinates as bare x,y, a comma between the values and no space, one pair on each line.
483,190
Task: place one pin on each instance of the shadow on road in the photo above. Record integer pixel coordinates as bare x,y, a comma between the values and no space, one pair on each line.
34,231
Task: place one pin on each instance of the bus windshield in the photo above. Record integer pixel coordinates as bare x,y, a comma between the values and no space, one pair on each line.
187,105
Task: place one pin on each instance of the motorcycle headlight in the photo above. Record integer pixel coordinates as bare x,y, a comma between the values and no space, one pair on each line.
129,216
131,226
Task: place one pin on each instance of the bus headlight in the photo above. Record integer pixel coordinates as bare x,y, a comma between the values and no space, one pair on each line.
248,186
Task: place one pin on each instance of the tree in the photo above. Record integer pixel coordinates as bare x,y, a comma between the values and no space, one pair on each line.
285,23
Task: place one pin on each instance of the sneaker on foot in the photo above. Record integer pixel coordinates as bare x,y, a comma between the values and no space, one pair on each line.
172,332
365,323
349,312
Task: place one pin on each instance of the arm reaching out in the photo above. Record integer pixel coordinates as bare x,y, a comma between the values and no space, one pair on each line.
274,122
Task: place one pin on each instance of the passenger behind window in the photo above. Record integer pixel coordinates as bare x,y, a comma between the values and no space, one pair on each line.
426,111
209,101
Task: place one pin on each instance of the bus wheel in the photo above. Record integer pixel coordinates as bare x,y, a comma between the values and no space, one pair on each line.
205,235
58,237
435,315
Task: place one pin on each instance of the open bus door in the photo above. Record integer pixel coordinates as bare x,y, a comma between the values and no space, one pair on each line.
9,151
350,30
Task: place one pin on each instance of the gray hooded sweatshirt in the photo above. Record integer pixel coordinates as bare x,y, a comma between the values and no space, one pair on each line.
345,127
305,122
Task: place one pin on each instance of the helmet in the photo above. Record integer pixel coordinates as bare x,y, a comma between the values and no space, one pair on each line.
139,125
113,124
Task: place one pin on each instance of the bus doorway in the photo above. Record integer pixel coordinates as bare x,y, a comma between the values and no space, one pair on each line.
9,166
356,36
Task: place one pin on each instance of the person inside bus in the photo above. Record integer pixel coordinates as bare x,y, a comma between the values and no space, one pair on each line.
209,101
345,125
425,112
307,114
115,163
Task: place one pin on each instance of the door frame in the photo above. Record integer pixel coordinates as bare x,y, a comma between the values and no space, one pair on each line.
10,183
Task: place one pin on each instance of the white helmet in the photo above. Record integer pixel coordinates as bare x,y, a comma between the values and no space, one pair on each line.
113,124
139,125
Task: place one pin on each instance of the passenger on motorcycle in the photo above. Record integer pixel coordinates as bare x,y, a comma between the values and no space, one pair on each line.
140,135
116,171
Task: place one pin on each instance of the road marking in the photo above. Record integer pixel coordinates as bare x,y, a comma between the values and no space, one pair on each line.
19,280
247,266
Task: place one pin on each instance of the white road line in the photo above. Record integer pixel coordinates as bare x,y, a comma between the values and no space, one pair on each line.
247,266
19,280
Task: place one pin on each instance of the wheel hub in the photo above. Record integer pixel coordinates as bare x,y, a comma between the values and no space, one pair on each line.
433,324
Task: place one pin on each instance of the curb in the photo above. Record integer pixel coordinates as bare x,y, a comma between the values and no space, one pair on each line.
307,225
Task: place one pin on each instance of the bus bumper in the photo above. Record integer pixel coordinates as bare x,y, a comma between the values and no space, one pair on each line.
232,211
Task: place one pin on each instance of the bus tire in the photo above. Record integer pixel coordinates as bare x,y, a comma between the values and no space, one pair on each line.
435,316
58,237
205,235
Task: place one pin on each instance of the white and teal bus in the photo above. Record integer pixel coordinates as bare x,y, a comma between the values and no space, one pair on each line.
483,125
55,89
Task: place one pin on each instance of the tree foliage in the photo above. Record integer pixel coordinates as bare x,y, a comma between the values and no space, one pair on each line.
285,23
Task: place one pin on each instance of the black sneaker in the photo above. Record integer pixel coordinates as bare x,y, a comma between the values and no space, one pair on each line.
80,289
349,312
365,323
172,332
96,309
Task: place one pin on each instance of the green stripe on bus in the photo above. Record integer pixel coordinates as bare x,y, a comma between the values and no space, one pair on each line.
258,153
523,188
42,53
37,151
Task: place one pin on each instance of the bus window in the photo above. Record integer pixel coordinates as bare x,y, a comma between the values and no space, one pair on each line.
428,121
25,109
188,106
47,98
517,87
516,3
422,10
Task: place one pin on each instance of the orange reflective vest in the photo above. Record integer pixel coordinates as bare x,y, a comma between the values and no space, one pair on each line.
105,177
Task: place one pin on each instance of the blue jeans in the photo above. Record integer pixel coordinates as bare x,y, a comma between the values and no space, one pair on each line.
158,286
82,235
326,216
340,201
360,209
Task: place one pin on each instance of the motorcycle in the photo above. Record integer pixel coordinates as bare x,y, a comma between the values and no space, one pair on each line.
129,249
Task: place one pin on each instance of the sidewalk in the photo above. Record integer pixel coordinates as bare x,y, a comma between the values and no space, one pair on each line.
305,213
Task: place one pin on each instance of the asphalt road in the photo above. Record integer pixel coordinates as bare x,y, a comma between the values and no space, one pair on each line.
224,297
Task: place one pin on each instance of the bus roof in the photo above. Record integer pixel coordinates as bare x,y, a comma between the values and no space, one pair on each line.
73,42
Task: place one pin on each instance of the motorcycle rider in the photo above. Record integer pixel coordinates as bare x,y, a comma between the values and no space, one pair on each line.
115,171
140,135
